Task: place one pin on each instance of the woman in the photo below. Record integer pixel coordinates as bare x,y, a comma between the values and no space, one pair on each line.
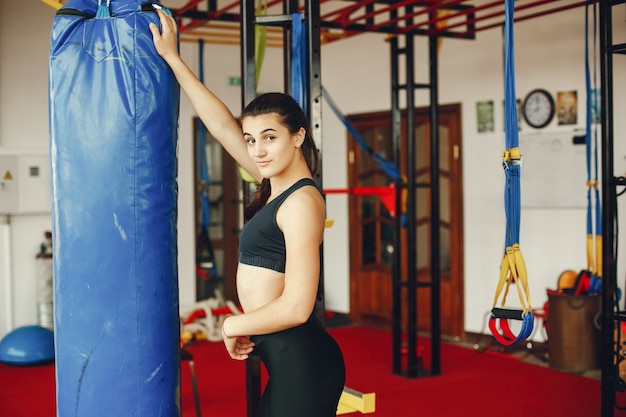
279,262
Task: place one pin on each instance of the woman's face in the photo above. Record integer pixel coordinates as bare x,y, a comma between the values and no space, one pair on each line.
270,145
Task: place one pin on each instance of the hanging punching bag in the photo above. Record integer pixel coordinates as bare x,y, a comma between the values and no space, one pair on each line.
113,108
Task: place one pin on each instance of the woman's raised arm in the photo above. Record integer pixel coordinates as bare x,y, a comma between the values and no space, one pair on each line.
212,111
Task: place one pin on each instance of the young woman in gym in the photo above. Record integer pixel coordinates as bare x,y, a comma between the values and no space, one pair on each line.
279,260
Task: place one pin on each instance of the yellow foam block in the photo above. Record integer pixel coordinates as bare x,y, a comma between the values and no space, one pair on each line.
354,401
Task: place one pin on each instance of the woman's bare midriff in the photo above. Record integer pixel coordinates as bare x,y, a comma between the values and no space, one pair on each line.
258,286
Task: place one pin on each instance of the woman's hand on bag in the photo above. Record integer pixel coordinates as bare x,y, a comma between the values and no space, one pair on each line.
166,40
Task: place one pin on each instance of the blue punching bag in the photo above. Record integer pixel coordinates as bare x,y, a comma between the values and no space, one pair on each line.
113,107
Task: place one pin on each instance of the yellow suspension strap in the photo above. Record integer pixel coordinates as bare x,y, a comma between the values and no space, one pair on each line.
513,267
260,38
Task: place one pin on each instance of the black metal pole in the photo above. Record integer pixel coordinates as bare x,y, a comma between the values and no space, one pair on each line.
412,363
248,92
248,65
435,213
608,377
313,95
396,294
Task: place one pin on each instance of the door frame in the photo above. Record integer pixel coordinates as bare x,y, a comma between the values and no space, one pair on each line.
450,115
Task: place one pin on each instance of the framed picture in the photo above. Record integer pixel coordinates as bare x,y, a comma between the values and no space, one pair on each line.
484,116
567,107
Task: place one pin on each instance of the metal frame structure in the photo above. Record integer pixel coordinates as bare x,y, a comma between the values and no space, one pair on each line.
346,18
414,367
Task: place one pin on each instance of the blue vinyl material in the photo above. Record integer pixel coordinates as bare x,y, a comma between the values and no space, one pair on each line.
113,109
27,345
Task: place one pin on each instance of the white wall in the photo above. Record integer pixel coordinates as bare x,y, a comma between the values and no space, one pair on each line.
24,127
549,54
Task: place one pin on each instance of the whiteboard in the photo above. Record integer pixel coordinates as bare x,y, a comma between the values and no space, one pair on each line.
554,171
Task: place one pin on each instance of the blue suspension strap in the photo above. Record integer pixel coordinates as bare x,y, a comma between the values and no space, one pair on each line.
381,162
298,60
203,168
594,237
513,268
299,86
206,267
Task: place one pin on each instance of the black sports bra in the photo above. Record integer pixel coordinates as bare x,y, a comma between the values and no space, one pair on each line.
261,242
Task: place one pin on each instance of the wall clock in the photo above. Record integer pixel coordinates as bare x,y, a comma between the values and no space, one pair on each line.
538,108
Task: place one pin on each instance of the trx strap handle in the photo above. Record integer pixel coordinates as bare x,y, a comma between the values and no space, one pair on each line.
501,316
513,267
505,313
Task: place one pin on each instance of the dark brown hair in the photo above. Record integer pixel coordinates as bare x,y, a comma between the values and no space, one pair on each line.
293,118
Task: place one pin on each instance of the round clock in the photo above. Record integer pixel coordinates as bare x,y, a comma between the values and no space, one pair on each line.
538,108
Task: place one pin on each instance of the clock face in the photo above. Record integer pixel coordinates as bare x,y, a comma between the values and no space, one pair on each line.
538,108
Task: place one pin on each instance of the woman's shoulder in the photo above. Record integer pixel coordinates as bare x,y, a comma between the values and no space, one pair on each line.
305,182
304,202
302,218
310,185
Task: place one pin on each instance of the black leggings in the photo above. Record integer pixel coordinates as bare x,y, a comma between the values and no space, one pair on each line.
306,372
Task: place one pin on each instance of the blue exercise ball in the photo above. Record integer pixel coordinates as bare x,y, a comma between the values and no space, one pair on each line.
27,345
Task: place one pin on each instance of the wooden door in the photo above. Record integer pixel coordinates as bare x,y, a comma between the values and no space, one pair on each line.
371,229
371,225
